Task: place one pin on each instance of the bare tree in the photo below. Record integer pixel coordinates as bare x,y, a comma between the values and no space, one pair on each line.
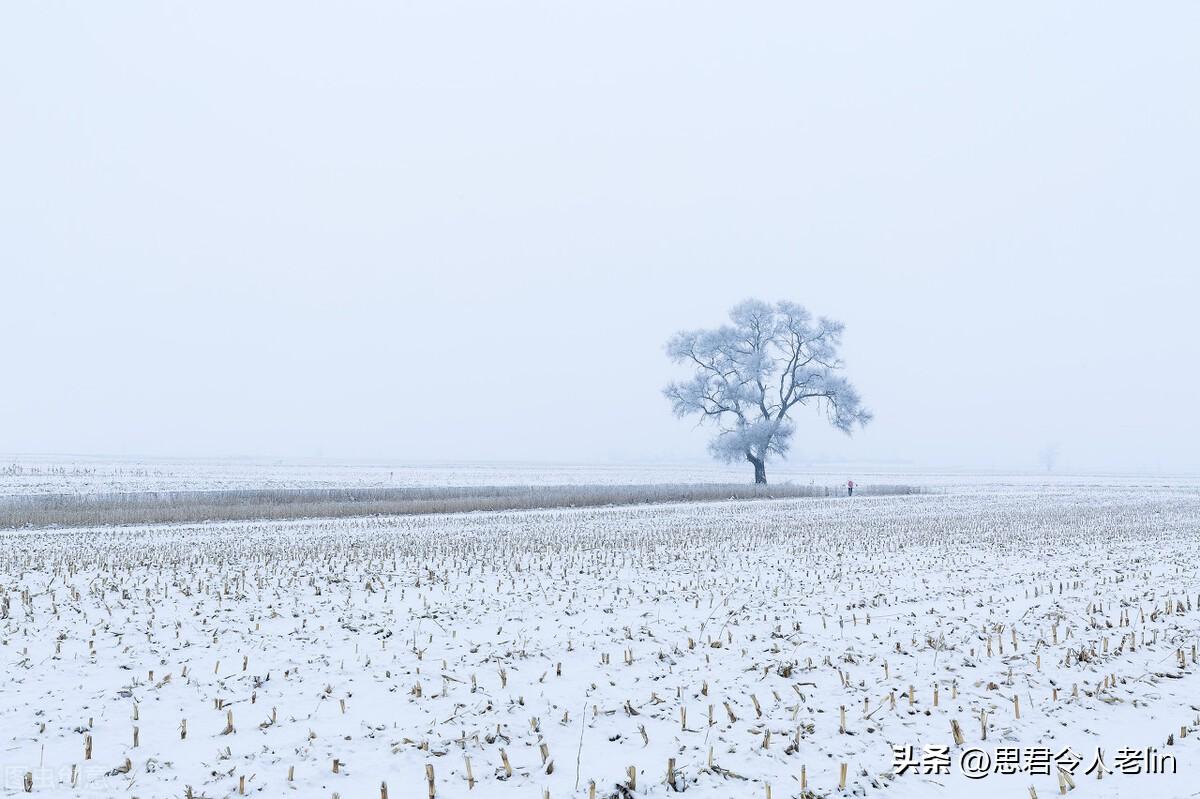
1049,456
749,375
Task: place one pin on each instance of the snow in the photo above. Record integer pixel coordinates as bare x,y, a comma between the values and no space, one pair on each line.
391,644
22,475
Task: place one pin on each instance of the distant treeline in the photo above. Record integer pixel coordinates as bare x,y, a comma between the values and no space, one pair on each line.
170,507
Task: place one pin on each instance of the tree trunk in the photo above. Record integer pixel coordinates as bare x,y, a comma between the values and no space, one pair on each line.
760,469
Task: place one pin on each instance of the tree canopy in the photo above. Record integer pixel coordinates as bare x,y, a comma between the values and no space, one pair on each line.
751,373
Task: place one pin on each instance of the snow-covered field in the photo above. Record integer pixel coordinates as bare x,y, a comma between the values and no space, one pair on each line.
539,652
23,475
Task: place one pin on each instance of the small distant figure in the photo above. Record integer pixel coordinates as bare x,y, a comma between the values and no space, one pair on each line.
849,488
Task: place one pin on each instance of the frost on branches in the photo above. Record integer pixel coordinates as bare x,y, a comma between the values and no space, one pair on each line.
750,374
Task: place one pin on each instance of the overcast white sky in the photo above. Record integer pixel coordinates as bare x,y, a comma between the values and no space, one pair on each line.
464,230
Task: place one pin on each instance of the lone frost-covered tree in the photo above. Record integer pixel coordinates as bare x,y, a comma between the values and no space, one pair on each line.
1049,456
749,375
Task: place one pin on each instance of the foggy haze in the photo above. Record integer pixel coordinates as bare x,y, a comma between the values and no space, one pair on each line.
466,230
